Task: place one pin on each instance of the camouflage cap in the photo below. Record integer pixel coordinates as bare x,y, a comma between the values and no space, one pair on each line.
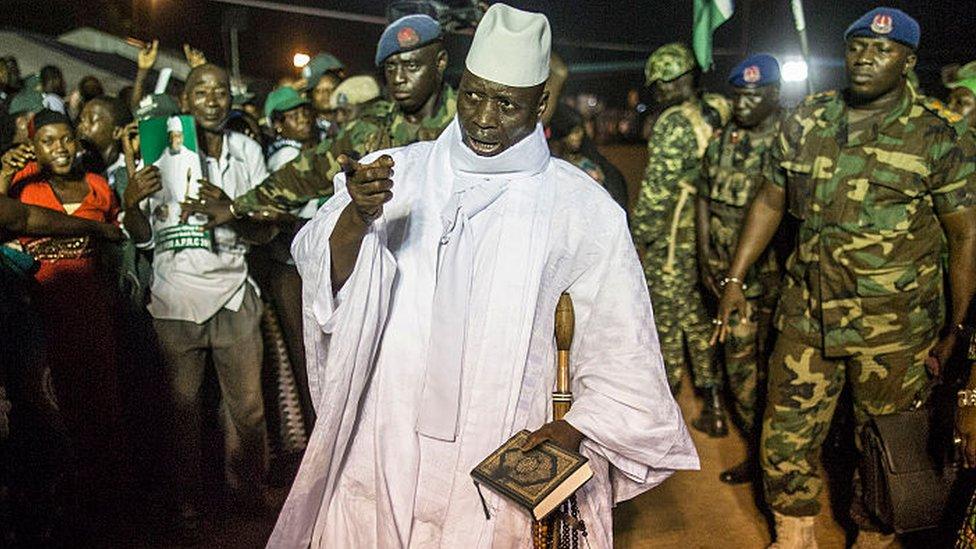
319,66
355,90
668,62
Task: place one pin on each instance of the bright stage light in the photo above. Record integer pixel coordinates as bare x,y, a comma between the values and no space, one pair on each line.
795,71
301,59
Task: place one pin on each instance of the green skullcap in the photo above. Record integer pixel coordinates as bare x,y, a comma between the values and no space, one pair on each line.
668,62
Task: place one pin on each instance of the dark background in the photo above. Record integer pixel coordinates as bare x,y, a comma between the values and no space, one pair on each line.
758,25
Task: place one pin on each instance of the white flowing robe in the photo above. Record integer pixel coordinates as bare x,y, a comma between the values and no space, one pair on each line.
367,478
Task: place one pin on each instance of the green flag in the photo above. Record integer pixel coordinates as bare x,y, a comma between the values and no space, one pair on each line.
709,15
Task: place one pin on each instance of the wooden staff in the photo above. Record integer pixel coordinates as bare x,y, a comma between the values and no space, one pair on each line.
562,397
563,526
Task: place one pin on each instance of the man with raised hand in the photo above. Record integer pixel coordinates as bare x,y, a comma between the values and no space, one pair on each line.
430,283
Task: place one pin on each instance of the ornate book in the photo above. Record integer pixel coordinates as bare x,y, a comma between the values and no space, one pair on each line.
538,480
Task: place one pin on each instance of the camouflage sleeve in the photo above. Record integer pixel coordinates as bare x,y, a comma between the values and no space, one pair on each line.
710,159
783,147
953,179
668,149
303,179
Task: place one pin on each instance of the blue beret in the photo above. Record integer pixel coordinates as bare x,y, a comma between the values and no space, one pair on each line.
889,23
405,34
760,69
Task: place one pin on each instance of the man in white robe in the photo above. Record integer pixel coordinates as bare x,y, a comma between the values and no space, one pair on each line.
430,282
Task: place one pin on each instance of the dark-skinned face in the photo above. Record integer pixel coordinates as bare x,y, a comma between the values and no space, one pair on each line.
22,128
877,66
96,125
674,91
207,97
56,86
752,105
55,148
963,102
322,92
295,124
494,116
413,77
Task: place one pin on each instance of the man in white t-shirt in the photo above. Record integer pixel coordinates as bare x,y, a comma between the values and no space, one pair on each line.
202,300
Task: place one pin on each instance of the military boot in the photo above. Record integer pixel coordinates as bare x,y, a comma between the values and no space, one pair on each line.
793,532
742,473
713,421
875,540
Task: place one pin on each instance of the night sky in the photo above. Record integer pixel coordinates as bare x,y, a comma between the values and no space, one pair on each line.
273,37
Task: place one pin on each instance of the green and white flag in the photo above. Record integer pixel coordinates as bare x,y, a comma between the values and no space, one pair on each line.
709,15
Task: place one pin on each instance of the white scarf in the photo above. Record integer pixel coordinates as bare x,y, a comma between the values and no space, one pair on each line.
477,182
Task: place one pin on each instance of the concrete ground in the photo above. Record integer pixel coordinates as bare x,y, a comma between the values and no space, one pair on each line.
695,510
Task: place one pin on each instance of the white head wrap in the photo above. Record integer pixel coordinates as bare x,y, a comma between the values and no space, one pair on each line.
511,47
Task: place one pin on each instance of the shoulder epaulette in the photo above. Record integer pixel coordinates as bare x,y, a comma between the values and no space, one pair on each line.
820,98
939,109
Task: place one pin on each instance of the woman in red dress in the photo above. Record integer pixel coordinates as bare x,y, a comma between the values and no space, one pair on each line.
76,303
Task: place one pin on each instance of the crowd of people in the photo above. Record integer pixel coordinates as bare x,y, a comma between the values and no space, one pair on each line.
791,257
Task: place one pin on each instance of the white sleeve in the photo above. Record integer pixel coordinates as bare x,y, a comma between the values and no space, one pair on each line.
330,327
622,402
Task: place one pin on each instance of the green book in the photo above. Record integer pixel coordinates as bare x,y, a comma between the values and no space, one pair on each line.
538,480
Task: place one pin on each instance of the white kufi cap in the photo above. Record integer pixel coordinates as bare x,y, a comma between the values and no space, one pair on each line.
511,47
174,125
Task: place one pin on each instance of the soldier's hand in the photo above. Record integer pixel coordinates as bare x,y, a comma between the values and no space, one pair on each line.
733,301
370,185
143,183
212,202
709,279
940,354
966,434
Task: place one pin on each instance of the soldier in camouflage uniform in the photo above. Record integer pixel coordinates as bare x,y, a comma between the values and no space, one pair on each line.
663,223
880,179
414,60
732,172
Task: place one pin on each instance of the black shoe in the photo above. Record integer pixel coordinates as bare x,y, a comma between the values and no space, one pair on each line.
712,421
742,473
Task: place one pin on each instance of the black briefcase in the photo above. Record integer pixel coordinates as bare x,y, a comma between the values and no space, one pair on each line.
905,478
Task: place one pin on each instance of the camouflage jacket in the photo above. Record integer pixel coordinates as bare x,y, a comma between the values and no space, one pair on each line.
382,125
866,272
663,217
732,173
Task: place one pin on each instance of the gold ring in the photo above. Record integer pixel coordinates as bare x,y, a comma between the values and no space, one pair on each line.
957,440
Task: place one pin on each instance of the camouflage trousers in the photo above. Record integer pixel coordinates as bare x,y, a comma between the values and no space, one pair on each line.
742,352
683,324
802,394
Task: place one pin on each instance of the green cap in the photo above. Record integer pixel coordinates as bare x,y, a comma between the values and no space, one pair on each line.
282,99
318,66
156,105
668,62
968,83
28,100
